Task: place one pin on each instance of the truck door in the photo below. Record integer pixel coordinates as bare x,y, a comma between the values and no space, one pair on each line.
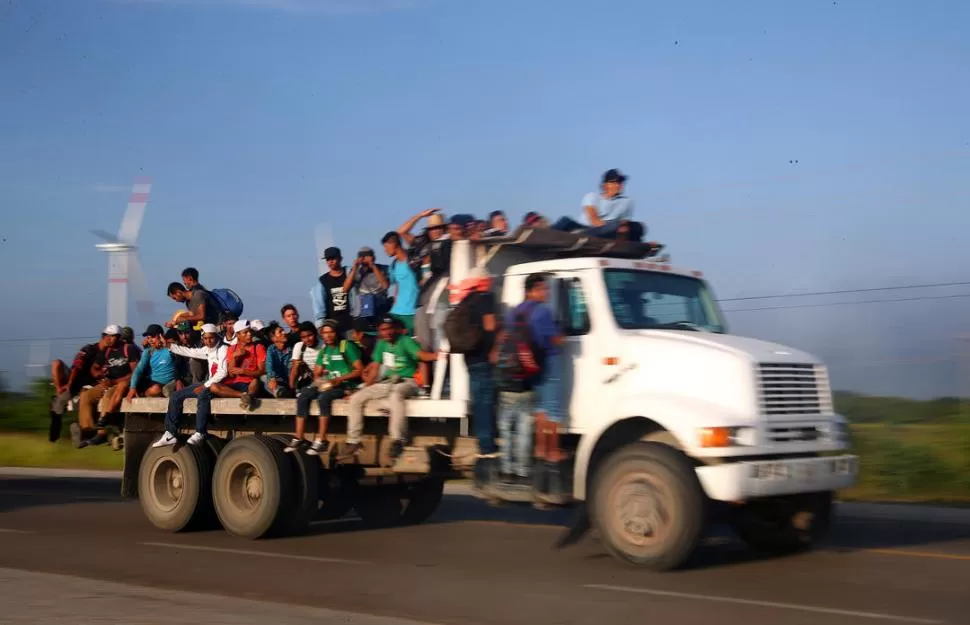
581,351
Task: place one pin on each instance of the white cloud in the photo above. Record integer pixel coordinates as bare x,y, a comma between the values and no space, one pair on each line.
328,7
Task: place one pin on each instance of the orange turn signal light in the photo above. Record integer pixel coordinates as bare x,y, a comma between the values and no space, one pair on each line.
611,361
714,437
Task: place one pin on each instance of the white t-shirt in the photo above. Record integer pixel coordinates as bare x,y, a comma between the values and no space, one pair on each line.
307,354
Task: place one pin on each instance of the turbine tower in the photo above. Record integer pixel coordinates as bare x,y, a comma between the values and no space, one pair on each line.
123,263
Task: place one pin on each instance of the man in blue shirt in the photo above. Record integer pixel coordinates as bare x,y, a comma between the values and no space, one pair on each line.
156,374
607,214
406,297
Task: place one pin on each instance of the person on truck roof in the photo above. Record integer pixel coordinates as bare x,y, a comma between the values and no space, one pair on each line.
390,376
607,214
498,224
214,352
338,368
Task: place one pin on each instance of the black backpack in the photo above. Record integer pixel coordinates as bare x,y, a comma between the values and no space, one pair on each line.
463,328
518,365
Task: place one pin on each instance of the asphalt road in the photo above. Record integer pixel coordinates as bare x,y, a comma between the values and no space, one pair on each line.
471,564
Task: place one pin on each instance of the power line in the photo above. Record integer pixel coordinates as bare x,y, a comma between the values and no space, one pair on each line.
846,291
870,301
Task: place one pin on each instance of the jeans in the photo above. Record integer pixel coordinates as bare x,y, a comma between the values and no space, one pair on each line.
482,390
515,425
607,231
325,399
395,393
177,401
551,389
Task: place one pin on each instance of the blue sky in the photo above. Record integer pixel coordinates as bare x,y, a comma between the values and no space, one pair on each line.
259,119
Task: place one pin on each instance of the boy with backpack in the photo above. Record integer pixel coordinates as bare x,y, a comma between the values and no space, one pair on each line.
529,365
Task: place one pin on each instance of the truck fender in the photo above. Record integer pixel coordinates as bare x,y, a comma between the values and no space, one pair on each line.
666,418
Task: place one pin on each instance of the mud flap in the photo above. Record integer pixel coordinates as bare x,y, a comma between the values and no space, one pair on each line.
580,526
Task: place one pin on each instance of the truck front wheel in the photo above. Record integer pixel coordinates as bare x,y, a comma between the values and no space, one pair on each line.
648,506
783,525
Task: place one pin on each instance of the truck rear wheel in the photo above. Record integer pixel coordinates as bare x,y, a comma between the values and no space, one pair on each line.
306,498
252,487
783,525
648,506
174,487
422,500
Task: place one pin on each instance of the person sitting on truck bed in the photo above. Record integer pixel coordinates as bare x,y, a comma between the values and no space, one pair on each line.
279,356
399,354
188,337
245,365
338,369
607,214
228,328
291,318
498,224
303,361
155,374
214,353
70,381
113,368
364,339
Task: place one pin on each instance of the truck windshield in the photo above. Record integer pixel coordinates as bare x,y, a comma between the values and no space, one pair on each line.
649,300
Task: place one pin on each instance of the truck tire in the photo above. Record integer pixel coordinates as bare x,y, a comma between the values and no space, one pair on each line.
422,500
252,487
648,506
306,497
379,506
784,525
174,487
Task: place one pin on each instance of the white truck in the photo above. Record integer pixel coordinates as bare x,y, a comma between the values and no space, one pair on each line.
670,418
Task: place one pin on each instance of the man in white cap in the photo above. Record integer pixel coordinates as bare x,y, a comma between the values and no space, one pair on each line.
83,379
215,353
245,365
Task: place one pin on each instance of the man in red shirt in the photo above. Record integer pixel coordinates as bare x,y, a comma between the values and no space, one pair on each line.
245,363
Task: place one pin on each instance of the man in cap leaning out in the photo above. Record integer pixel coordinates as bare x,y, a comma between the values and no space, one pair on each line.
214,352
155,375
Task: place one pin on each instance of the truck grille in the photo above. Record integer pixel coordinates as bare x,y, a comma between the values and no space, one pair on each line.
786,389
794,434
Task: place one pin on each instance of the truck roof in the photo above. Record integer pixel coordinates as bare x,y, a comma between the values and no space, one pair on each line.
595,262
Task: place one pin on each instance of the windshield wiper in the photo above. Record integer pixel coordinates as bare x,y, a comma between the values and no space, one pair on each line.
682,325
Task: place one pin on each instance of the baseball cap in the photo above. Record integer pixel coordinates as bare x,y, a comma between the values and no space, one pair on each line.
239,326
330,323
184,326
172,335
112,330
257,325
462,219
127,334
210,328
387,319
154,330
613,175
331,252
365,251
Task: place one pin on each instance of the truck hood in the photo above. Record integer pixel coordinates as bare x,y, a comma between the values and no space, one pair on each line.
744,347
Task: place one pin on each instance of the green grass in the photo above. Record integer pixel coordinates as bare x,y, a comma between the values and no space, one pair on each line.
34,450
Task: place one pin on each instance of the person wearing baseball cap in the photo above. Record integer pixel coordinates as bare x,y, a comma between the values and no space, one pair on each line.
397,355
336,291
191,370
607,214
80,380
214,352
246,364
155,375
370,282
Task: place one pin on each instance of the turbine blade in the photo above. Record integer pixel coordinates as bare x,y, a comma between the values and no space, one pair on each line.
135,213
139,286
107,236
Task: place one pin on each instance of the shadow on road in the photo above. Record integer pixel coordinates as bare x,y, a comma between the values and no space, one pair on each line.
19,493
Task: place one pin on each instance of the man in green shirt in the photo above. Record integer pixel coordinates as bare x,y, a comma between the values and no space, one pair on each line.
390,375
337,371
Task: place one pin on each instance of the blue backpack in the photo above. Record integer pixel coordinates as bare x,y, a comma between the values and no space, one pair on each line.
227,302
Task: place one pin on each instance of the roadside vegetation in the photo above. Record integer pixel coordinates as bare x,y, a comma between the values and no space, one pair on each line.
911,450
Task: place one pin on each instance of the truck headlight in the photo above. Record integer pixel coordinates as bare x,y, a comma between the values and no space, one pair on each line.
727,437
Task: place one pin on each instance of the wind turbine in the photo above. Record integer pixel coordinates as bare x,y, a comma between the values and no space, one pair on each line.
123,264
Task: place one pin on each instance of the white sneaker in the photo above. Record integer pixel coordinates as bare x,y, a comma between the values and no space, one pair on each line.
294,445
167,439
196,439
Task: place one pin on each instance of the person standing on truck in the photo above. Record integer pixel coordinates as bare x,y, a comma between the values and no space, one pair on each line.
337,368
398,354
336,294
404,277
368,280
549,390
214,352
